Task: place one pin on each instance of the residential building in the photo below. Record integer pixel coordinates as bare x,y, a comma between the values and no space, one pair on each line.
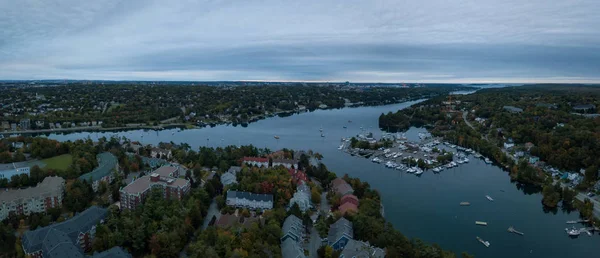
287,163
13,126
160,153
249,200
360,249
234,170
107,164
231,220
173,171
302,197
341,187
25,124
18,145
508,145
349,198
340,233
136,192
47,194
292,228
298,176
512,109
348,208
71,238
5,125
116,252
254,161
228,178
533,160
9,170
584,108
529,145
291,249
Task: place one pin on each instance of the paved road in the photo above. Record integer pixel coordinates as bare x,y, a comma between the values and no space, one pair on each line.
582,197
464,115
212,211
324,204
314,243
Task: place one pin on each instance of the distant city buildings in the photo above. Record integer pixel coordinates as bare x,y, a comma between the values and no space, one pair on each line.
47,194
163,178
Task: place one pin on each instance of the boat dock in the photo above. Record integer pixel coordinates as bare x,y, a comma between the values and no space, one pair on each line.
511,229
577,221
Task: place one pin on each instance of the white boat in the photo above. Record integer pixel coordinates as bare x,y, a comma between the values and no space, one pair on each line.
486,243
572,231
418,171
488,161
341,147
489,198
466,160
477,155
460,161
411,170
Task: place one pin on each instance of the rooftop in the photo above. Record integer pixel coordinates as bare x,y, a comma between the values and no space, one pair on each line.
106,163
250,196
291,249
165,171
143,183
361,249
340,228
50,186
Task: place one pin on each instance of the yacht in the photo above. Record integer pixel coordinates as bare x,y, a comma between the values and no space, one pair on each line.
411,170
572,231
460,161
276,137
489,198
486,243
488,161
466,160
477,155
341,147
418,171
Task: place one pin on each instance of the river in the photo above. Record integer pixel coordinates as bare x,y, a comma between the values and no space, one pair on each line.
425,207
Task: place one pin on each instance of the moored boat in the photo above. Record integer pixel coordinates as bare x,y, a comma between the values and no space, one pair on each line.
465,203
489,198
481,223
486,243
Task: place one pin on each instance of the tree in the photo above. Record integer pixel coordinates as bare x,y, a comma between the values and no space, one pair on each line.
591,174
7,240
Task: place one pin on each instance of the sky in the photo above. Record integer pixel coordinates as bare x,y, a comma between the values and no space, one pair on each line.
465,41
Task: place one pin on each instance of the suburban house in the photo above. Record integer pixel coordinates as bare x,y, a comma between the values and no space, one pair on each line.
228,179
234,170
298,176
254,161
348,203
116,251
340,233
47,194
341,187
107,163
584,108
249,200
287,163
173,188
508,145
9,170
529,145
230,220
25,124
302,197
293,229
71,238
293,235
360,249
160,153
513,109
533,160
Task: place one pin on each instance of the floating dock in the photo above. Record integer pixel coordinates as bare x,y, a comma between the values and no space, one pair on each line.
481,223
511,229
577,221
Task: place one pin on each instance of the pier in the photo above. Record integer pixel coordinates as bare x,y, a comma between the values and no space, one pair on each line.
511,229
577,221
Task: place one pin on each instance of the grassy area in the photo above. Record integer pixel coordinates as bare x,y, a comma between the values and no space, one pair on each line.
61,162
113,106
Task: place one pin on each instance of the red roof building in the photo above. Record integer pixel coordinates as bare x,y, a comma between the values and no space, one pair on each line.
298,176
255,161
341,187
348,207
349,198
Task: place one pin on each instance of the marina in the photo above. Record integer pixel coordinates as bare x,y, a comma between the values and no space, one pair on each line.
412,204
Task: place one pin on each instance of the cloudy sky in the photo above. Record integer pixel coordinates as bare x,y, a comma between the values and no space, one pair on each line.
307,40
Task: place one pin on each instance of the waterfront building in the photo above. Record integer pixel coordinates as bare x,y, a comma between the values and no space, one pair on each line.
160,153
163,178
254,161
341,187
287,163
47,194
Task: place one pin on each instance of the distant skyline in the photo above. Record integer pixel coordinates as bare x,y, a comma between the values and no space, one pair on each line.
468,41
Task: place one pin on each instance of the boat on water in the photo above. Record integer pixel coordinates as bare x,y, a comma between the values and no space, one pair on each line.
571,222
465,203
511,229
418,171
572,231
481,223
489,198
349,121
487,160
466,160
486,243
345,127
341,147
276,137
322,135
477,155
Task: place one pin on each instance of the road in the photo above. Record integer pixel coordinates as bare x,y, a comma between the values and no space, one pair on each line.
314,243
324,204
582,197
213,210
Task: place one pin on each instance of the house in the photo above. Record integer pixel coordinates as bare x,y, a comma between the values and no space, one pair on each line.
291,249
519,154
508,145
341,187
348,208
228,178
287,163
360,249
160,153
546,105
302,197
512,109
234,170
597,186
18,145
533,160
107,163
298,176
116,252
584,108
47,194
230,220
11,169
25,124
340,233
349,198
71,238
292,228
529,145
249,200
254,161
136,192
573,176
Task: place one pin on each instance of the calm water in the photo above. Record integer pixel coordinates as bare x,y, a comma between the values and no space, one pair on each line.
425,207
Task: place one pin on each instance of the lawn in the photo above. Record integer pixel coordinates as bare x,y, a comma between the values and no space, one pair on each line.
61,162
